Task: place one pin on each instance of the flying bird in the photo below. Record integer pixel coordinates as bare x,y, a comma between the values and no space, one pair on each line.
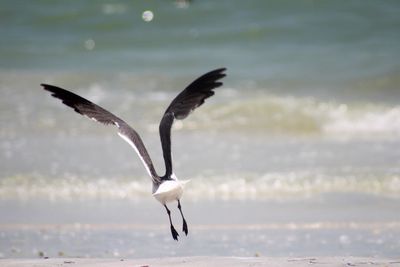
166,188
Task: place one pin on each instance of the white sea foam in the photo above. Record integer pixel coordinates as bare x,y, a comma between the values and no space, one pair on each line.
233,109
294,116
377,121
245,186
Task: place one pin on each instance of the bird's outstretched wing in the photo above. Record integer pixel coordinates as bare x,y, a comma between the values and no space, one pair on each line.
188,100
97,113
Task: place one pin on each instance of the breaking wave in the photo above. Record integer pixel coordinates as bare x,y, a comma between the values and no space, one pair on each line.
236,109
290,115
278,186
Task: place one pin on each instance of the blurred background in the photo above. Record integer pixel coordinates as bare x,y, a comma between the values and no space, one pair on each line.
297,154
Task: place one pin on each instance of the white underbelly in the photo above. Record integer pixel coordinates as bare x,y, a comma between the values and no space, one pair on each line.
169,191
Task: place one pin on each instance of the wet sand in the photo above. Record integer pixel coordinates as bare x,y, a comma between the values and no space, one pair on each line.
202,261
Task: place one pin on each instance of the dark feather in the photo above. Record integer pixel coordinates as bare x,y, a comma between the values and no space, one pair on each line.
95,112
194,95
187,101
82,105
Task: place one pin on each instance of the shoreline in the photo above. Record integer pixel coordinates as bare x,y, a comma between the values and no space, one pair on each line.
203,261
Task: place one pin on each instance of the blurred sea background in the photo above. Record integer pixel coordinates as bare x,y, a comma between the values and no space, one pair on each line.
298,154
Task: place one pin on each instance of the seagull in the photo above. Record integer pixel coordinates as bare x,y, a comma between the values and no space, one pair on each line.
166,188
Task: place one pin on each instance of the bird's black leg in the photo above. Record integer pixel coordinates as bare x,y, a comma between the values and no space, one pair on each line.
173,231
184,227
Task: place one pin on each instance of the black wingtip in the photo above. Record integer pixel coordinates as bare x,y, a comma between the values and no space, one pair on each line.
44,85
49,87
220,71
217,74
211,77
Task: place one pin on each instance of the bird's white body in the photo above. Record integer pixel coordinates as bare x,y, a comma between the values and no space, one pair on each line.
169,191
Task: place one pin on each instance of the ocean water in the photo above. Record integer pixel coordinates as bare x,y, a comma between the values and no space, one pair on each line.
297,154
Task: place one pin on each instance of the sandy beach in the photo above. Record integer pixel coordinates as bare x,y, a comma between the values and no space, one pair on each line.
203,261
